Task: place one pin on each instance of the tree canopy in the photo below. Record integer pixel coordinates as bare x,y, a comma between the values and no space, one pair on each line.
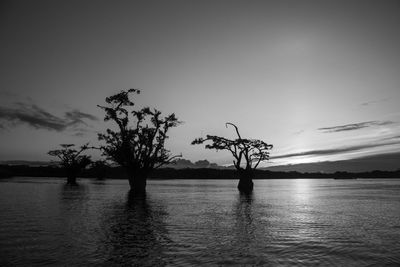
70,157
246,152
138,143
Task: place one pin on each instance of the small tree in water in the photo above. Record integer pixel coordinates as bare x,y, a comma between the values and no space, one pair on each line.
247,153
71,160
137,146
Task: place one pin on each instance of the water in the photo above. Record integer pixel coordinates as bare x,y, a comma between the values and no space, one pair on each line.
200,222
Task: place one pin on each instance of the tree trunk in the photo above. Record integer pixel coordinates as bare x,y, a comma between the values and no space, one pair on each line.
245,180
137,183
71,177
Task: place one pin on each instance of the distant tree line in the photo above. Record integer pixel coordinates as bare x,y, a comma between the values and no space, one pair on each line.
107,172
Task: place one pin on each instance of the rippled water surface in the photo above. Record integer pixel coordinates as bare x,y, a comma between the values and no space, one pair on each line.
200,222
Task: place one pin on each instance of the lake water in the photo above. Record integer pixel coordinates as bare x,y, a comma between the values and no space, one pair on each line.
200,222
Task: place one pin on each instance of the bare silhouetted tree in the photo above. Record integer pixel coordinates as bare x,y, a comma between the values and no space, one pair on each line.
138,142
71,160
247,153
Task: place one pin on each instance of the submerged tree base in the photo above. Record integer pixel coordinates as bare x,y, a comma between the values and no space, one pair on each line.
138,185
71,181
245,185
245,181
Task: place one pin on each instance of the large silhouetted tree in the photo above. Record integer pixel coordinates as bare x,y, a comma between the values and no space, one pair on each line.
137,144
72,160
247,153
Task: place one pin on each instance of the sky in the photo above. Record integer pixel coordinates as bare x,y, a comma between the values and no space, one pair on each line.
317,79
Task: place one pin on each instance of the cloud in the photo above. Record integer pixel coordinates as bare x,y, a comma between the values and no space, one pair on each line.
5,93
354,126
334,151
184,163
395,137
374,102
298,132
79,134
38,118
77,117
368,103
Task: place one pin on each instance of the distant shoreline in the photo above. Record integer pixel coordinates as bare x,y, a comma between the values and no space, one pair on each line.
7,171
204,179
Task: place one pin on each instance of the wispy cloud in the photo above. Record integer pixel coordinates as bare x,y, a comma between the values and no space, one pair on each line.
76,117
298,132
354,126
396,137
5,93
38,118
374,102
335,151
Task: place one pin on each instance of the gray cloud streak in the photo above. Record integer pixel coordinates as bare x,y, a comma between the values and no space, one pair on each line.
38,118
374,102
354,126
392,138
334,151
77,117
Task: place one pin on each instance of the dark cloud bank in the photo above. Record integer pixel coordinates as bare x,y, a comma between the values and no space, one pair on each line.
354,126
38,118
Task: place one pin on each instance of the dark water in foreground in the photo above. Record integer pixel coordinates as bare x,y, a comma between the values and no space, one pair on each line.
200,222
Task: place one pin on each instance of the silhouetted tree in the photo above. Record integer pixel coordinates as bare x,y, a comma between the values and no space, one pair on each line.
71,160
247,153
138,142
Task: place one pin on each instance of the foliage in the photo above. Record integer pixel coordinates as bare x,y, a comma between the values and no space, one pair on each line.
71,158
138,143
99,164
250,152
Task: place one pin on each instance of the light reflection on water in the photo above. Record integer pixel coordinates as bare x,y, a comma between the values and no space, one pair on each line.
200,222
